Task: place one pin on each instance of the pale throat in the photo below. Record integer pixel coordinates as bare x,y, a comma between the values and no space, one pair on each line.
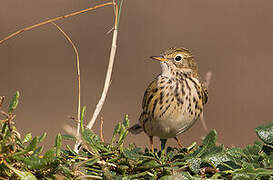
166,71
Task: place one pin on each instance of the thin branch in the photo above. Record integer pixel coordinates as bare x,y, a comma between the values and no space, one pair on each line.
79,78
53,20
109,70
101,129
107,80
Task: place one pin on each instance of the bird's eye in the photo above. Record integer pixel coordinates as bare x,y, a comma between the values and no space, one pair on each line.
178,57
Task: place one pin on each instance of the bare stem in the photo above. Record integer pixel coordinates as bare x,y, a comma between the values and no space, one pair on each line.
79,80
109,69
101,130
53,20
107,79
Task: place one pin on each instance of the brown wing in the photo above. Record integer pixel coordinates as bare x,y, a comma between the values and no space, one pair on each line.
149,94
205,93
149,102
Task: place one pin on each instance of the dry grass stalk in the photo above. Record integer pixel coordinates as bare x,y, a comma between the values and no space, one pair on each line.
109,69
117,8
101,129
79,79
53,20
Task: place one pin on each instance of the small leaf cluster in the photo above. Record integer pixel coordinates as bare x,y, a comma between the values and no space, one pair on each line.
23,158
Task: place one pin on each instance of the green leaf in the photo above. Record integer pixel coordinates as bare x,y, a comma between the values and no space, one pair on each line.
66,171
91,161
132,154
163,144
27,138
268,162
237,156
253,173
169,177
38,150
14,102
252,153
217,158
149,163
170,153
82,117
69,137
179,175
22,174
187,176
116,131
265,133
208,145
32,146
194,164
70,150
240,176
192,146
146,174
5,129
210,139
49,156
123,130
235,153
58,144
93,141
42,137
126,121
34,162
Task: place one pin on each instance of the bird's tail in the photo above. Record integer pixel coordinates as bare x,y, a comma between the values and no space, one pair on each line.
135,129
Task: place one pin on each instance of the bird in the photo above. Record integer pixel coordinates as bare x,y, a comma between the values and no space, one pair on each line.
174,100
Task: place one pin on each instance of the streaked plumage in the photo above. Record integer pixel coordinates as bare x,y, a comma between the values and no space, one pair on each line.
175,99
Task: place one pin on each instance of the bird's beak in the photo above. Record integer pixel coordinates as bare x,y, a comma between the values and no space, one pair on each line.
159,58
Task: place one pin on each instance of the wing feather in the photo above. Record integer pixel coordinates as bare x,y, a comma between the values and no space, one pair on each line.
149,94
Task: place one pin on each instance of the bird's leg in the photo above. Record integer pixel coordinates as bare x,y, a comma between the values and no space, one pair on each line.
151,143
178,142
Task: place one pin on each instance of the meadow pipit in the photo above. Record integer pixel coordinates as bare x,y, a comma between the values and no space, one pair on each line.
174,100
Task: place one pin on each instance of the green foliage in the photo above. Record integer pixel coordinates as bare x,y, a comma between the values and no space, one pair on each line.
14,102
24,159
265,133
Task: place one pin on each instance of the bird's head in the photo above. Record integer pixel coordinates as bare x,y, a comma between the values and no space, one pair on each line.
177,59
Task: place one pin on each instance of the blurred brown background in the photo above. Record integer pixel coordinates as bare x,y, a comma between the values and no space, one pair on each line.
231,38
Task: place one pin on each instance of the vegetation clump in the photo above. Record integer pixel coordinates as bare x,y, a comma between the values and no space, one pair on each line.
22,158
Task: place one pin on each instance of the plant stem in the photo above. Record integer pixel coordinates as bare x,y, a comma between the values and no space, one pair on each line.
107,80
53,20
109,69
79,81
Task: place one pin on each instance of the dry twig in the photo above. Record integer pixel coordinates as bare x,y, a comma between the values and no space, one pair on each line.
53,20
101,129
79,79
109,69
